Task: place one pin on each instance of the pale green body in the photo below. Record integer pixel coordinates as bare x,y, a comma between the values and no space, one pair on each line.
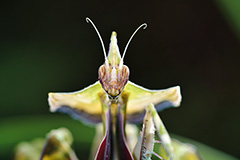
132,100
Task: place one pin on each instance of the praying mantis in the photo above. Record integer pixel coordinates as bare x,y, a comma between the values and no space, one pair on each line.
114,104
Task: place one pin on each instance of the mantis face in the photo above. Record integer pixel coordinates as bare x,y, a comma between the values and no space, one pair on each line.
113,75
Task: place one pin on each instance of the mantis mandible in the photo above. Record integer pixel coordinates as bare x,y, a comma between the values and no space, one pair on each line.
114,101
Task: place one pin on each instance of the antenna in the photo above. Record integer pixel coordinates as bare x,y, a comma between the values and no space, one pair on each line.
99,36
144,25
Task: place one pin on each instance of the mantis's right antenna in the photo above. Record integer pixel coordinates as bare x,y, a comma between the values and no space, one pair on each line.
99,36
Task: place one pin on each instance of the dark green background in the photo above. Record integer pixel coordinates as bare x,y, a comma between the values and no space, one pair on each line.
48,46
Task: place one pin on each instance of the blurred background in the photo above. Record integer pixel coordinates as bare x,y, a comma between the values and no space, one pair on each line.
48,46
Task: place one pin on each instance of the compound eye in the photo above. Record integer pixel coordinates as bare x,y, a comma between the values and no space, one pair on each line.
125,73
101,72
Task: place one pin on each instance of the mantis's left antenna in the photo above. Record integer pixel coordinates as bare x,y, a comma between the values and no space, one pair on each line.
144,25
104,51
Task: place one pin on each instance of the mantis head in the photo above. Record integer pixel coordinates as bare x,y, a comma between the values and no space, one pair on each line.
113,74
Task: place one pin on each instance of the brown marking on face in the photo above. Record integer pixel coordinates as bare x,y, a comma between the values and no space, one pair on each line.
113,79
